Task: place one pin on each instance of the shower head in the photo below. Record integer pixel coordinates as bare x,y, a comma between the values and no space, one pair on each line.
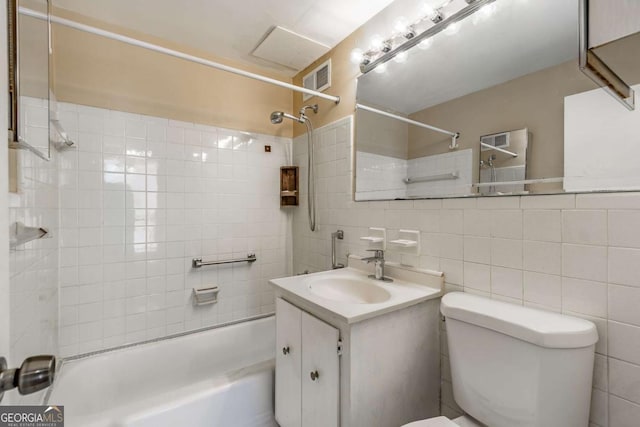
278,116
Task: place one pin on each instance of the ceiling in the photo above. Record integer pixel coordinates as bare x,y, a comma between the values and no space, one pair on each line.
230,28
521,37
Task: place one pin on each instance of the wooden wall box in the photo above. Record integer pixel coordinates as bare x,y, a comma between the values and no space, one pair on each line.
289,192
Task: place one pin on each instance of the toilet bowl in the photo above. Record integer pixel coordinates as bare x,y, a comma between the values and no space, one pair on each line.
516,366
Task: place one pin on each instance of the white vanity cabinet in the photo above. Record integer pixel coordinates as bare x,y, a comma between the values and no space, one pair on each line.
307,369
388,370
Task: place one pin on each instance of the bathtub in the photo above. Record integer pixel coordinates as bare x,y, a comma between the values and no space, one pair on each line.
220,377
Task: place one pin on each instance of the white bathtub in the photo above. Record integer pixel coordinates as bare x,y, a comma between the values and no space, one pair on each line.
221,377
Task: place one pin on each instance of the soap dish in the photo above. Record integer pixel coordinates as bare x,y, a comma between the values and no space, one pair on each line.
205,296
377,237
405,243
408,241
373,239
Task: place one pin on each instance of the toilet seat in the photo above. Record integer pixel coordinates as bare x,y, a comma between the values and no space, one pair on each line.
433,422
463,421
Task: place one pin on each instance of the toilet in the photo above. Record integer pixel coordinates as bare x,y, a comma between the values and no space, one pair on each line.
516,366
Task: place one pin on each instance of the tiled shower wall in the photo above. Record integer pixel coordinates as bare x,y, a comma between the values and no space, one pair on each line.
34,266
576,254
140,197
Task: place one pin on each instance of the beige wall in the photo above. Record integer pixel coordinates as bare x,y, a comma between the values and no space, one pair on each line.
96,71
381,135
343,83
34,53
535,101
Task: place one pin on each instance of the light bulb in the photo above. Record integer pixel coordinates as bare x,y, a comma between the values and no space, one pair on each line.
433,14
377,42
401,25
357,55
381,68
428,10
485,12
425,44
452,29
401,57
410,33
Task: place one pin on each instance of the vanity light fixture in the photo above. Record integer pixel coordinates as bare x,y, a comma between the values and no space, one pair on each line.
407,35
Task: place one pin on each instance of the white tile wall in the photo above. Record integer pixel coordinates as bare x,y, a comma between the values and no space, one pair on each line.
34,266
459,162
576,254
381,177
140,197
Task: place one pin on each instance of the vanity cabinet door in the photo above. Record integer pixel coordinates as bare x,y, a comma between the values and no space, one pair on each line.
320,373
288,364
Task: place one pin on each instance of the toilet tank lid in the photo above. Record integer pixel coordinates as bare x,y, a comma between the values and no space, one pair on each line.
542,328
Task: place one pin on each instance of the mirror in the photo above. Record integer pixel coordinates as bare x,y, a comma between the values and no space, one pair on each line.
29,78
499,80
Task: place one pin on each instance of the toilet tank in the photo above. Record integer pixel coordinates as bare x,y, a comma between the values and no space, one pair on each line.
518,366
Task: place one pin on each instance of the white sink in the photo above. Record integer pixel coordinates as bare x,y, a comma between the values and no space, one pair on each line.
349,295
350,290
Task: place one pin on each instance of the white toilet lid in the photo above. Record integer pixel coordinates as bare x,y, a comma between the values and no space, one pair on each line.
433,422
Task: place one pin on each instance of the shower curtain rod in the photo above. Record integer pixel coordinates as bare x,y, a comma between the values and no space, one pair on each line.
175,53
454,135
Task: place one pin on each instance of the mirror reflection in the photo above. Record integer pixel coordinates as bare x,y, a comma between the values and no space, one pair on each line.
500,81
33,77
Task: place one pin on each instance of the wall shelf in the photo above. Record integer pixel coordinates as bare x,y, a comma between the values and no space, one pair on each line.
289,181
405,243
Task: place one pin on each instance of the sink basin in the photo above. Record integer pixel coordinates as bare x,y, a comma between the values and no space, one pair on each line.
349,290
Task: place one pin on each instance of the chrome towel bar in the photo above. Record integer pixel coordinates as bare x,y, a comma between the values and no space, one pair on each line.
198,262
440,177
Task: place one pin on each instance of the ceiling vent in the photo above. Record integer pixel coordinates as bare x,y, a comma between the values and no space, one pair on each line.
290,49
319,79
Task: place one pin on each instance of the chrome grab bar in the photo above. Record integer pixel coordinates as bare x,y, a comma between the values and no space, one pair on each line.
198,262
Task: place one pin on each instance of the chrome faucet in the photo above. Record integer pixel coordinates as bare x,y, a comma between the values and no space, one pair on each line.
339,234
378,258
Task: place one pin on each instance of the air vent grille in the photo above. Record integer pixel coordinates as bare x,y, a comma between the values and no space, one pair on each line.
500,140
319,79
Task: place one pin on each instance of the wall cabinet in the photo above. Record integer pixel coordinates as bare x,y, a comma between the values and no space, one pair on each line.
307,369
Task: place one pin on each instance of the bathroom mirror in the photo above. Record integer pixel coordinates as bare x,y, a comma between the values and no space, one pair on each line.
499,79
29,78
